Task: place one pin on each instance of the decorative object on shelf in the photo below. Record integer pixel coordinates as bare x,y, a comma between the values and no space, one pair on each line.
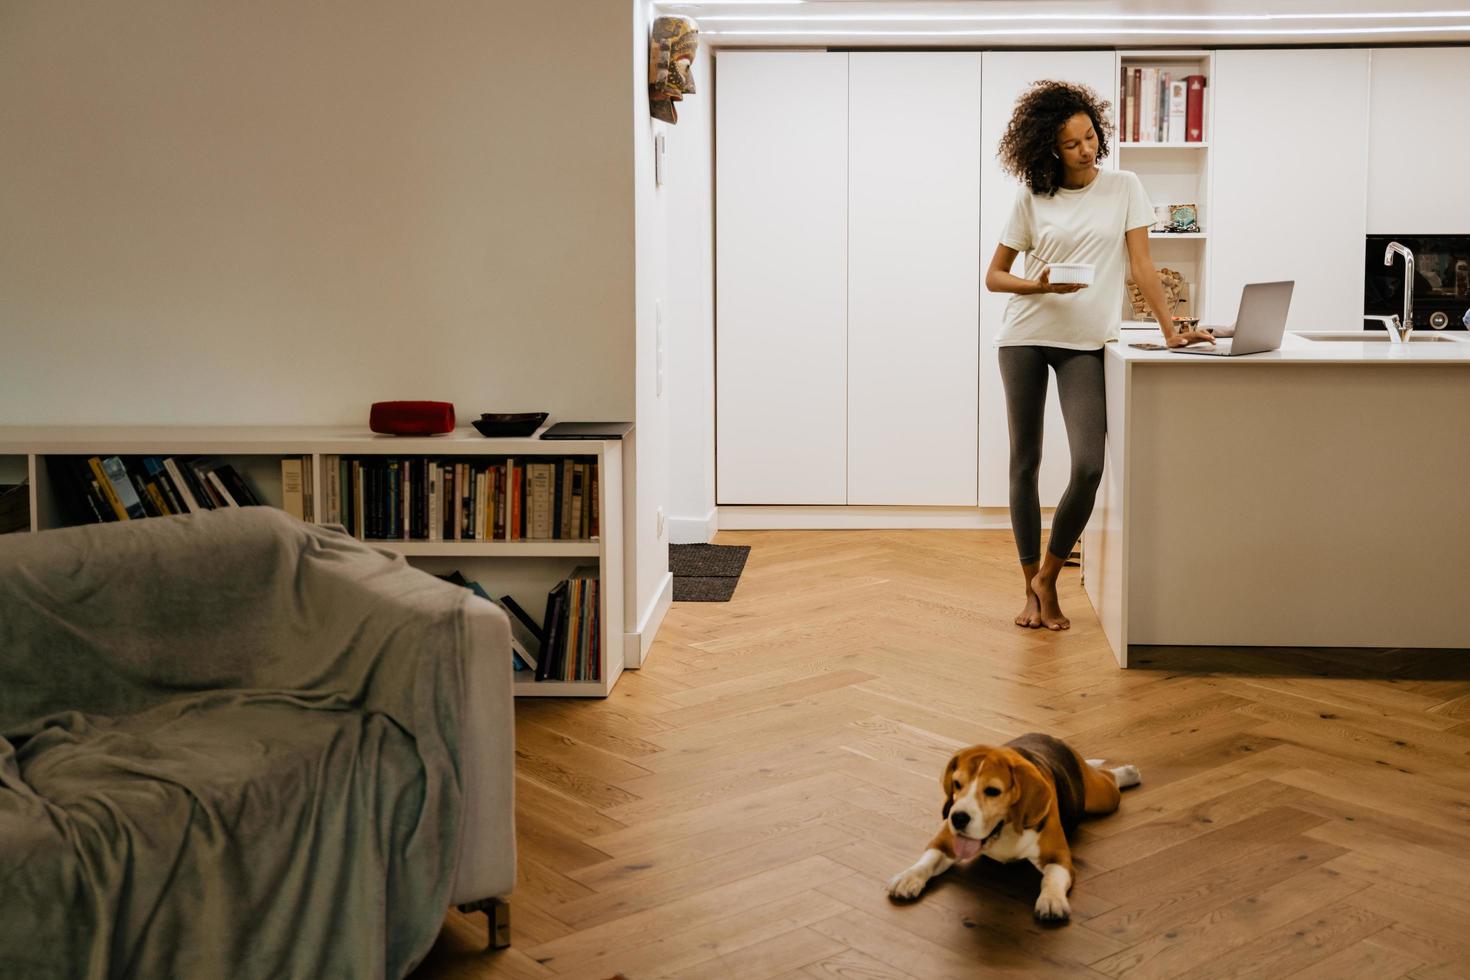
1161,218
411,418
588,430
1183,218
1176,292
671,46
508,425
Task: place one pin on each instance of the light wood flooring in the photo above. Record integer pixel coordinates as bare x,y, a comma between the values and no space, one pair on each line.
735,808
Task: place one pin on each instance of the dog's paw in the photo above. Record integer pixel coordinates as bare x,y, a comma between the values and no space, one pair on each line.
1053,908
907,884
1127,776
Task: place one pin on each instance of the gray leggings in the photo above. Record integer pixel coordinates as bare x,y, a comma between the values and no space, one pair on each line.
1084,409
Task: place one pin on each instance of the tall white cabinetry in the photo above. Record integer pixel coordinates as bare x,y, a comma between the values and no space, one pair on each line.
914,155
1419,147
847,196
1008,74
1290,173
781,278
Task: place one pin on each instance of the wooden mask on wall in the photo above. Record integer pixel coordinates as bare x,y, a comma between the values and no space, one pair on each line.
671,47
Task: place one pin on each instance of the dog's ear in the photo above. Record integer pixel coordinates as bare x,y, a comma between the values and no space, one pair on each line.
1034,800
947,782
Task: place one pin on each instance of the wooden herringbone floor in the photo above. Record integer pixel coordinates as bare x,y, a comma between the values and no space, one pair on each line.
734,810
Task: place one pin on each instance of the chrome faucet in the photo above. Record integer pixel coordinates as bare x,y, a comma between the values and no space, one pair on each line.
1399,330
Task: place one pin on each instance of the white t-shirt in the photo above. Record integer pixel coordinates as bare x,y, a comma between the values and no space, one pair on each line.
1083,225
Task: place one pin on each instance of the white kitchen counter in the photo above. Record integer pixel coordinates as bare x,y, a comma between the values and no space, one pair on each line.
1312,496
1446,347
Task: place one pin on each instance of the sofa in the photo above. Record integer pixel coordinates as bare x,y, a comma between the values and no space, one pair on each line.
233,744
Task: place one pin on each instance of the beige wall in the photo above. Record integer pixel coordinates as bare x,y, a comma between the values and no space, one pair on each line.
278,212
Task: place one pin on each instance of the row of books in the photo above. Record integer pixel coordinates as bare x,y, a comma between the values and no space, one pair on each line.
483,498
573,642
567,644
1160,106
98,489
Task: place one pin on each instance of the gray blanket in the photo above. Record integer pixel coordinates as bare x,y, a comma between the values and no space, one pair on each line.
228,748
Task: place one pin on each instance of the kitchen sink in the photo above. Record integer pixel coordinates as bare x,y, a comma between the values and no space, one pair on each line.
1377,337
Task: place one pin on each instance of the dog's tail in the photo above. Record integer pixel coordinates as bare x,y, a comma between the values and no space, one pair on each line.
1125,775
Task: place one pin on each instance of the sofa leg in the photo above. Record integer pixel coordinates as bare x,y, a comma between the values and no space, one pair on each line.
497,914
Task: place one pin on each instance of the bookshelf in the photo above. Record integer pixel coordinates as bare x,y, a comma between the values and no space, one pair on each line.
1173,170
524,569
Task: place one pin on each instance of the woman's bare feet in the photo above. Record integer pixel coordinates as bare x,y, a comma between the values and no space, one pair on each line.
1030,617
1044,585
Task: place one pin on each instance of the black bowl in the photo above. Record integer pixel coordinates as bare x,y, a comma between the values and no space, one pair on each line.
509,425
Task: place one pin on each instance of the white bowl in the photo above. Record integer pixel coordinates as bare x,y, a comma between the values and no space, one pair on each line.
1070,272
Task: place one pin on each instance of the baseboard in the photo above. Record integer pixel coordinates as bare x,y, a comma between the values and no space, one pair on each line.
837,517
694,530
636,645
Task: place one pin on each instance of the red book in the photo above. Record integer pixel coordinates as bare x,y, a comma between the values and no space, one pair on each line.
1194,109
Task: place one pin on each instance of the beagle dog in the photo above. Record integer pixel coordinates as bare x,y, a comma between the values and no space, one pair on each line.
1013,803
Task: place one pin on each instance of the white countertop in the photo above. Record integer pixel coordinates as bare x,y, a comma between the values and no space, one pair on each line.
1297,349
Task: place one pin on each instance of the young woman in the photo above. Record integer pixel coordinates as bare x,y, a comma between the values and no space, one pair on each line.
1068,211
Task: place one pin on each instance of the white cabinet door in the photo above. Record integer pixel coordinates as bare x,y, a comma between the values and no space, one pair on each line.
1419,144
1006,75
913,204
1290,159
781,277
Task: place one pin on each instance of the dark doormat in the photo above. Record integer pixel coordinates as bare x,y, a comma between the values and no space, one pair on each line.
706,572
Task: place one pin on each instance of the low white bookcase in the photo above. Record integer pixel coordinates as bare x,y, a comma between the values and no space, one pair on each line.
523,569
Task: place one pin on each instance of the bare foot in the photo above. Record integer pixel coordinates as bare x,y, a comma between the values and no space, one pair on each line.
1030,617
1051,613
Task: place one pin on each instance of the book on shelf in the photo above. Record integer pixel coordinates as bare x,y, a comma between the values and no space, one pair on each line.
481,498
1194,108
101,489
293,487
1178,100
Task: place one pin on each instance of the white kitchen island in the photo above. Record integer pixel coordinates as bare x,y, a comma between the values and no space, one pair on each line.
1315,496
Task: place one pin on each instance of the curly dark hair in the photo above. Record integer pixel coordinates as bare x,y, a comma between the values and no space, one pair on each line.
1028,149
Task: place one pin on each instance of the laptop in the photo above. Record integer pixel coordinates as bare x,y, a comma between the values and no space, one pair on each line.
1259,324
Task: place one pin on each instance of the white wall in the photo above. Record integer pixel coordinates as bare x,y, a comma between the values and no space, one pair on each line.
688,197
278,212
647,566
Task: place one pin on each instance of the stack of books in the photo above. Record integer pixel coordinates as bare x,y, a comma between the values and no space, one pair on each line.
99,489
481,498
572,650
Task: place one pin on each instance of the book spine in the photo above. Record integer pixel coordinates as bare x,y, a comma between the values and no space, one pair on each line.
292,495
1133,107
595,503
221,489
1150,109
1178,100
109,493
1194,110
1163,99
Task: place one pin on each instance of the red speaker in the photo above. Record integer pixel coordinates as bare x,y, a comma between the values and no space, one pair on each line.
412,418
